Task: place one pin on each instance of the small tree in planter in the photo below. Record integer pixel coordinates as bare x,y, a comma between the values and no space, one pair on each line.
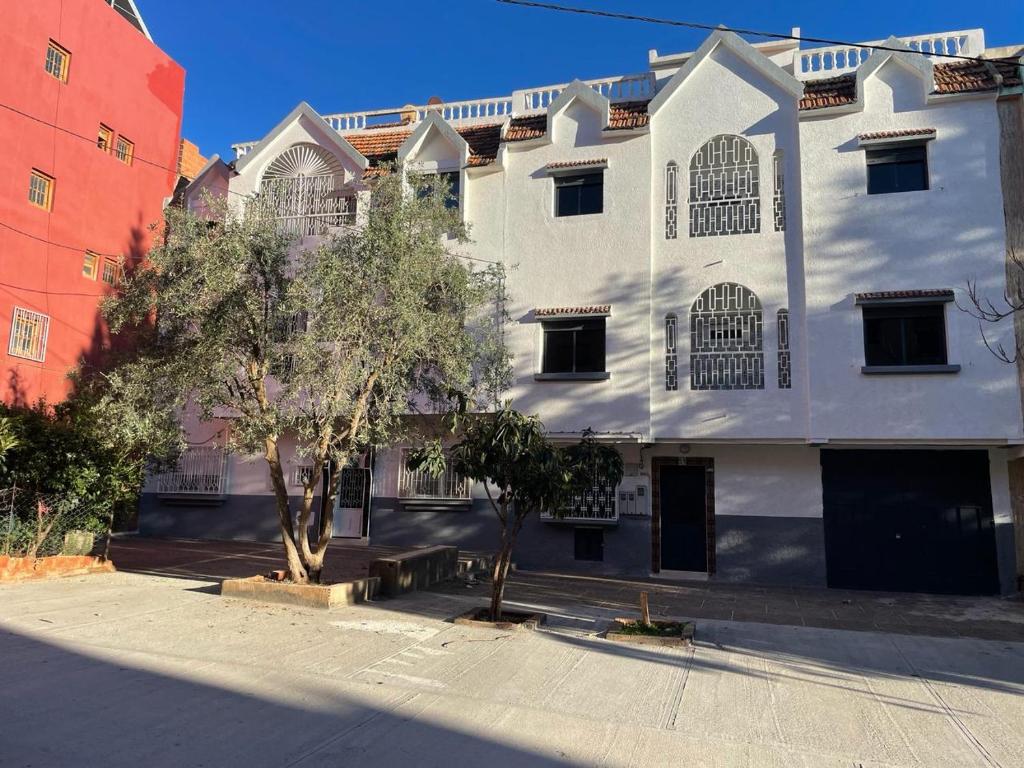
522,473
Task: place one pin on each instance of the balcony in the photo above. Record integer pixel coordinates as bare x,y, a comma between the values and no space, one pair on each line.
201,473
307,206
836,60
417,488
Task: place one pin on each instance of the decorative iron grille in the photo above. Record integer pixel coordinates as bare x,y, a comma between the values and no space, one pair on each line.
200,471
779,195
418,484
671,200
726,339
596,502
301,189
671,372
785,376
724,188
29,331
352,487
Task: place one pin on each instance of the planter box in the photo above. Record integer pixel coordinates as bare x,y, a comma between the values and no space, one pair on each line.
307,595
54,566
512,620
416,569
684,638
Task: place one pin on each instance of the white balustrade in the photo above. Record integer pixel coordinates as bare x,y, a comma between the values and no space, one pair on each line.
840,59
200,471
620,88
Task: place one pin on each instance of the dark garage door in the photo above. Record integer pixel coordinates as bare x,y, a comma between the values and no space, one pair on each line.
914,521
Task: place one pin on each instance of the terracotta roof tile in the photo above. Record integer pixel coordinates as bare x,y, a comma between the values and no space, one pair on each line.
896,134
623,115
923,293
483,141
594,309
577,163
955,77
382,146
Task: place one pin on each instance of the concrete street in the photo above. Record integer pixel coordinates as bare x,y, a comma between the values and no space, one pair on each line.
134,669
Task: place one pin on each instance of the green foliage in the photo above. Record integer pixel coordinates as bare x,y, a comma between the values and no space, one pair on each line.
336,344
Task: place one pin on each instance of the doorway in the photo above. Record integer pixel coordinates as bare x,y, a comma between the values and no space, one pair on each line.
350,503
682,525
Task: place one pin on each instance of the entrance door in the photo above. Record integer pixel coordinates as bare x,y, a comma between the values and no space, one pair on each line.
349,503
684,532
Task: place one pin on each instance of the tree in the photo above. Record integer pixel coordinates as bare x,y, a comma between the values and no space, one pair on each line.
1010,306
522,473
336,344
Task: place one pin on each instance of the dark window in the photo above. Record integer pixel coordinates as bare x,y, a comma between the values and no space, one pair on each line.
579,194
590,544
574,346
905,335
452,177
897,169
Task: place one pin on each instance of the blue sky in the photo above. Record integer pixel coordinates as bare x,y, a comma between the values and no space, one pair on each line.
250,62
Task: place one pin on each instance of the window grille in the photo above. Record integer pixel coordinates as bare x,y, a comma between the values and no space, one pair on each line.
785,376
419,484
671,372
779,195
199,471
28,335
594,502
671,200
300,475
110,272
726,339
301,188
724,188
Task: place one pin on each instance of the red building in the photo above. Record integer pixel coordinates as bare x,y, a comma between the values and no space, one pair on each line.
90,120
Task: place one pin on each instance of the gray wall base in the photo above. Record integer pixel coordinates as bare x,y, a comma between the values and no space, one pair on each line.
771,550
240,518
1006,557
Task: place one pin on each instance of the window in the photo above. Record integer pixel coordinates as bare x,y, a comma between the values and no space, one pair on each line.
303,189
671,374
897,169
905,335
574,346
420,484
452,177
90,265
40,190
724,188
28,335
579,194
124,150
726,339
105,138
57,61
785,374
779,195
671,200
111,272
589,544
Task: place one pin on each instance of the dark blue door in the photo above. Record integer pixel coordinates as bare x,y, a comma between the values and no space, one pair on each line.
684,533
909,521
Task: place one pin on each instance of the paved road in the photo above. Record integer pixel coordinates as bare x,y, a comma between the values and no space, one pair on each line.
133,669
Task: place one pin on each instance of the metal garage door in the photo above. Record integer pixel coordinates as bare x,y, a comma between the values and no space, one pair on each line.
916,521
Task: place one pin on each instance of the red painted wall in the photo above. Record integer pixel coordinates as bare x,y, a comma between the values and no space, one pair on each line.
116,77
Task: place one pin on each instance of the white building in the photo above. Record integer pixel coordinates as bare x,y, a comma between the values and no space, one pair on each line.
742,266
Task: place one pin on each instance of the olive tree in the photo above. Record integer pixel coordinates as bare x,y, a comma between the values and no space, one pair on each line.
522,472
335,344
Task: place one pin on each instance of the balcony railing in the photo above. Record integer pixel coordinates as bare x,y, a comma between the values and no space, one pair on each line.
839,59
420,485
200,471
306,206
634,87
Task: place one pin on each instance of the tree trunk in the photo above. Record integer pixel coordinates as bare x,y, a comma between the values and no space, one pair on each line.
296,571
501,567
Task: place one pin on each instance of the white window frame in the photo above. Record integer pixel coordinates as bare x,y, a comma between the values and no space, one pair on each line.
14,348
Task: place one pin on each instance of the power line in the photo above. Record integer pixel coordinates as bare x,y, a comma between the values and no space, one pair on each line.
754,32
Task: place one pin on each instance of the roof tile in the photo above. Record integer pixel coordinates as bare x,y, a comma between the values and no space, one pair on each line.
898,134
593,309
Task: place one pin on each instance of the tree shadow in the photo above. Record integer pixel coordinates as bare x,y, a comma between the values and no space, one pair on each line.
62,707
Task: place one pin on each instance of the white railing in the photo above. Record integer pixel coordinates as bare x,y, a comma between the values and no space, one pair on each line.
417,484
200,471
619,88
596,504
839,59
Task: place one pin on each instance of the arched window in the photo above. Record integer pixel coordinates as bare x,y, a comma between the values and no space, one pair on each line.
671,372
724,188
726,339
785,375
671,200
300,189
